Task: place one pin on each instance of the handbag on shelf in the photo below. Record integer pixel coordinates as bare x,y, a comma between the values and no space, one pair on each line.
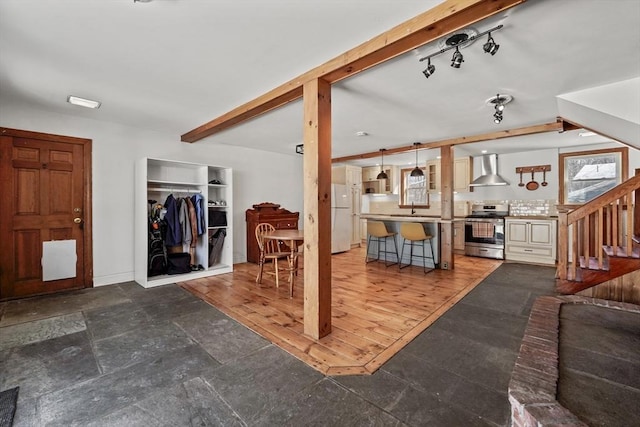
178,263
217,218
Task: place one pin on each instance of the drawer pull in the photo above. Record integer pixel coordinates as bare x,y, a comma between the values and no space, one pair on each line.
528,250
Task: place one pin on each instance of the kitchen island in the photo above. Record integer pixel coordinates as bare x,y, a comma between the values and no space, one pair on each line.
430,223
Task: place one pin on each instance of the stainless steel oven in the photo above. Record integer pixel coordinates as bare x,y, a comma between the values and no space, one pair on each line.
484,231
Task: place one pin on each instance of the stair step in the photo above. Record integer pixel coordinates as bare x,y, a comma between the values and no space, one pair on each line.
588,278
593,263
621,251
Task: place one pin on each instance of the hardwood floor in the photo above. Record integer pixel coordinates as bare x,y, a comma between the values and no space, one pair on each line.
375,310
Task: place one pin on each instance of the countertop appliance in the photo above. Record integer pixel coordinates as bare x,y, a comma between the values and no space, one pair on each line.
484,231
340,219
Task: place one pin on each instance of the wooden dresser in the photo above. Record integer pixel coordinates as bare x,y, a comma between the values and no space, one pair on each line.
270,213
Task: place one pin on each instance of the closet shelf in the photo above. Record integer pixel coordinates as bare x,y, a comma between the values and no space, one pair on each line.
175,190
164,182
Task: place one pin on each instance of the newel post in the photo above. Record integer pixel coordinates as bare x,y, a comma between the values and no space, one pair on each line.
563,243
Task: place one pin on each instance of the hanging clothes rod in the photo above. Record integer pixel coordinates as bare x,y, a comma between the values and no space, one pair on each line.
174,190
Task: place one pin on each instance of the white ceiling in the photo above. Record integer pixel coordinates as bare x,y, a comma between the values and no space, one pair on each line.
172,65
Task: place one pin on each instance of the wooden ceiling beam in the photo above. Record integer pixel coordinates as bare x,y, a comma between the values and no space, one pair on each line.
443,19
529,130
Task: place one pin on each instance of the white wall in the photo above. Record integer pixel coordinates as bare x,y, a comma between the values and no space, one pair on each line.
258,176
507,164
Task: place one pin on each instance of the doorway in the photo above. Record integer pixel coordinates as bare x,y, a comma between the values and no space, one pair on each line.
45,232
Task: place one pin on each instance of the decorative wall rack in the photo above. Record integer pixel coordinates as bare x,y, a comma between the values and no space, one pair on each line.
535,169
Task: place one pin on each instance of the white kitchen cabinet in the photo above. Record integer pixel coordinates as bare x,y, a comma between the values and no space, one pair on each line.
370,173
156,179
531,240
433,175
458,236
371,184
353,175
462,175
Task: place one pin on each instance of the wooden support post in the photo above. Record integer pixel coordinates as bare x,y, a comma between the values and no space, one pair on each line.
317,208
636,209
563,244
446,209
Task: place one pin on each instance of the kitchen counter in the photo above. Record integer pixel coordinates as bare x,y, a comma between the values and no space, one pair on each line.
409,218
531,217
430,224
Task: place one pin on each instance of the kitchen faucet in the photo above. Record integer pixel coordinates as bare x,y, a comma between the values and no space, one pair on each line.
413,210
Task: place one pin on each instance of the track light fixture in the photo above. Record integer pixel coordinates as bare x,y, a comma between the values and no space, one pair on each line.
417,171
457,59
455,41
490,46
498,102
429,70
382,174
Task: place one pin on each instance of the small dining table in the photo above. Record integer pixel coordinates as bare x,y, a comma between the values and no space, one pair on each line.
293,238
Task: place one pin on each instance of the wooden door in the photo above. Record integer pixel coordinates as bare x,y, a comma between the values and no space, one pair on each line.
45,196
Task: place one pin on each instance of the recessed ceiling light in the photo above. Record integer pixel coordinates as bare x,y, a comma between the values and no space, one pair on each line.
83,102
587,133
483,151
438,157
361,133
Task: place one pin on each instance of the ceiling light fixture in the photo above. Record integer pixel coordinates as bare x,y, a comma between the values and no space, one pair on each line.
382,174
458,40
498,102
586,134
83,102
457,59
490,46
429,70
417,171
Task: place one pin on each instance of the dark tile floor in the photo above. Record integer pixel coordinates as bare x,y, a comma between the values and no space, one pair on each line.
123,355
600,364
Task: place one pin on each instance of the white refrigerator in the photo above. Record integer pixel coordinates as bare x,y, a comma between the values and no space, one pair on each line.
340,219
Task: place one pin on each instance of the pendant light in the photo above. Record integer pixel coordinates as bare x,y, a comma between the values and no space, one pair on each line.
382,174
417,171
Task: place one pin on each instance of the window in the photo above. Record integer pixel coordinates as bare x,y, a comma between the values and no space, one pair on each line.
413,190
587,174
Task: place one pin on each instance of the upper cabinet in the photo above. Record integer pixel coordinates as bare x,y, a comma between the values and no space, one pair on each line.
462,175
353,176
372,184
370,173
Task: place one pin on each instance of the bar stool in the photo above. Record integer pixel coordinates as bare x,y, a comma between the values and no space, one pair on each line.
413,232
378,230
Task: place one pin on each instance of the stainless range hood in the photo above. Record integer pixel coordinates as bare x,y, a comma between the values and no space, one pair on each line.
489,173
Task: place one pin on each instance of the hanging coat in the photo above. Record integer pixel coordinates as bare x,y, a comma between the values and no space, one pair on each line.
174,233
185,223
193,221
198,203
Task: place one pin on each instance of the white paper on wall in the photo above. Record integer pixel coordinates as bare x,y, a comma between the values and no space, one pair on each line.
58,259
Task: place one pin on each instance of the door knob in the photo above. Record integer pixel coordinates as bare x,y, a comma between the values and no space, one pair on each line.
77,220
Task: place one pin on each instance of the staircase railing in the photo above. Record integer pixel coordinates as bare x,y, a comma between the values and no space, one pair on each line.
588,228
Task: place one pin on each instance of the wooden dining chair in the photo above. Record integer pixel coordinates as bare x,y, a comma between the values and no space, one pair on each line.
271,251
